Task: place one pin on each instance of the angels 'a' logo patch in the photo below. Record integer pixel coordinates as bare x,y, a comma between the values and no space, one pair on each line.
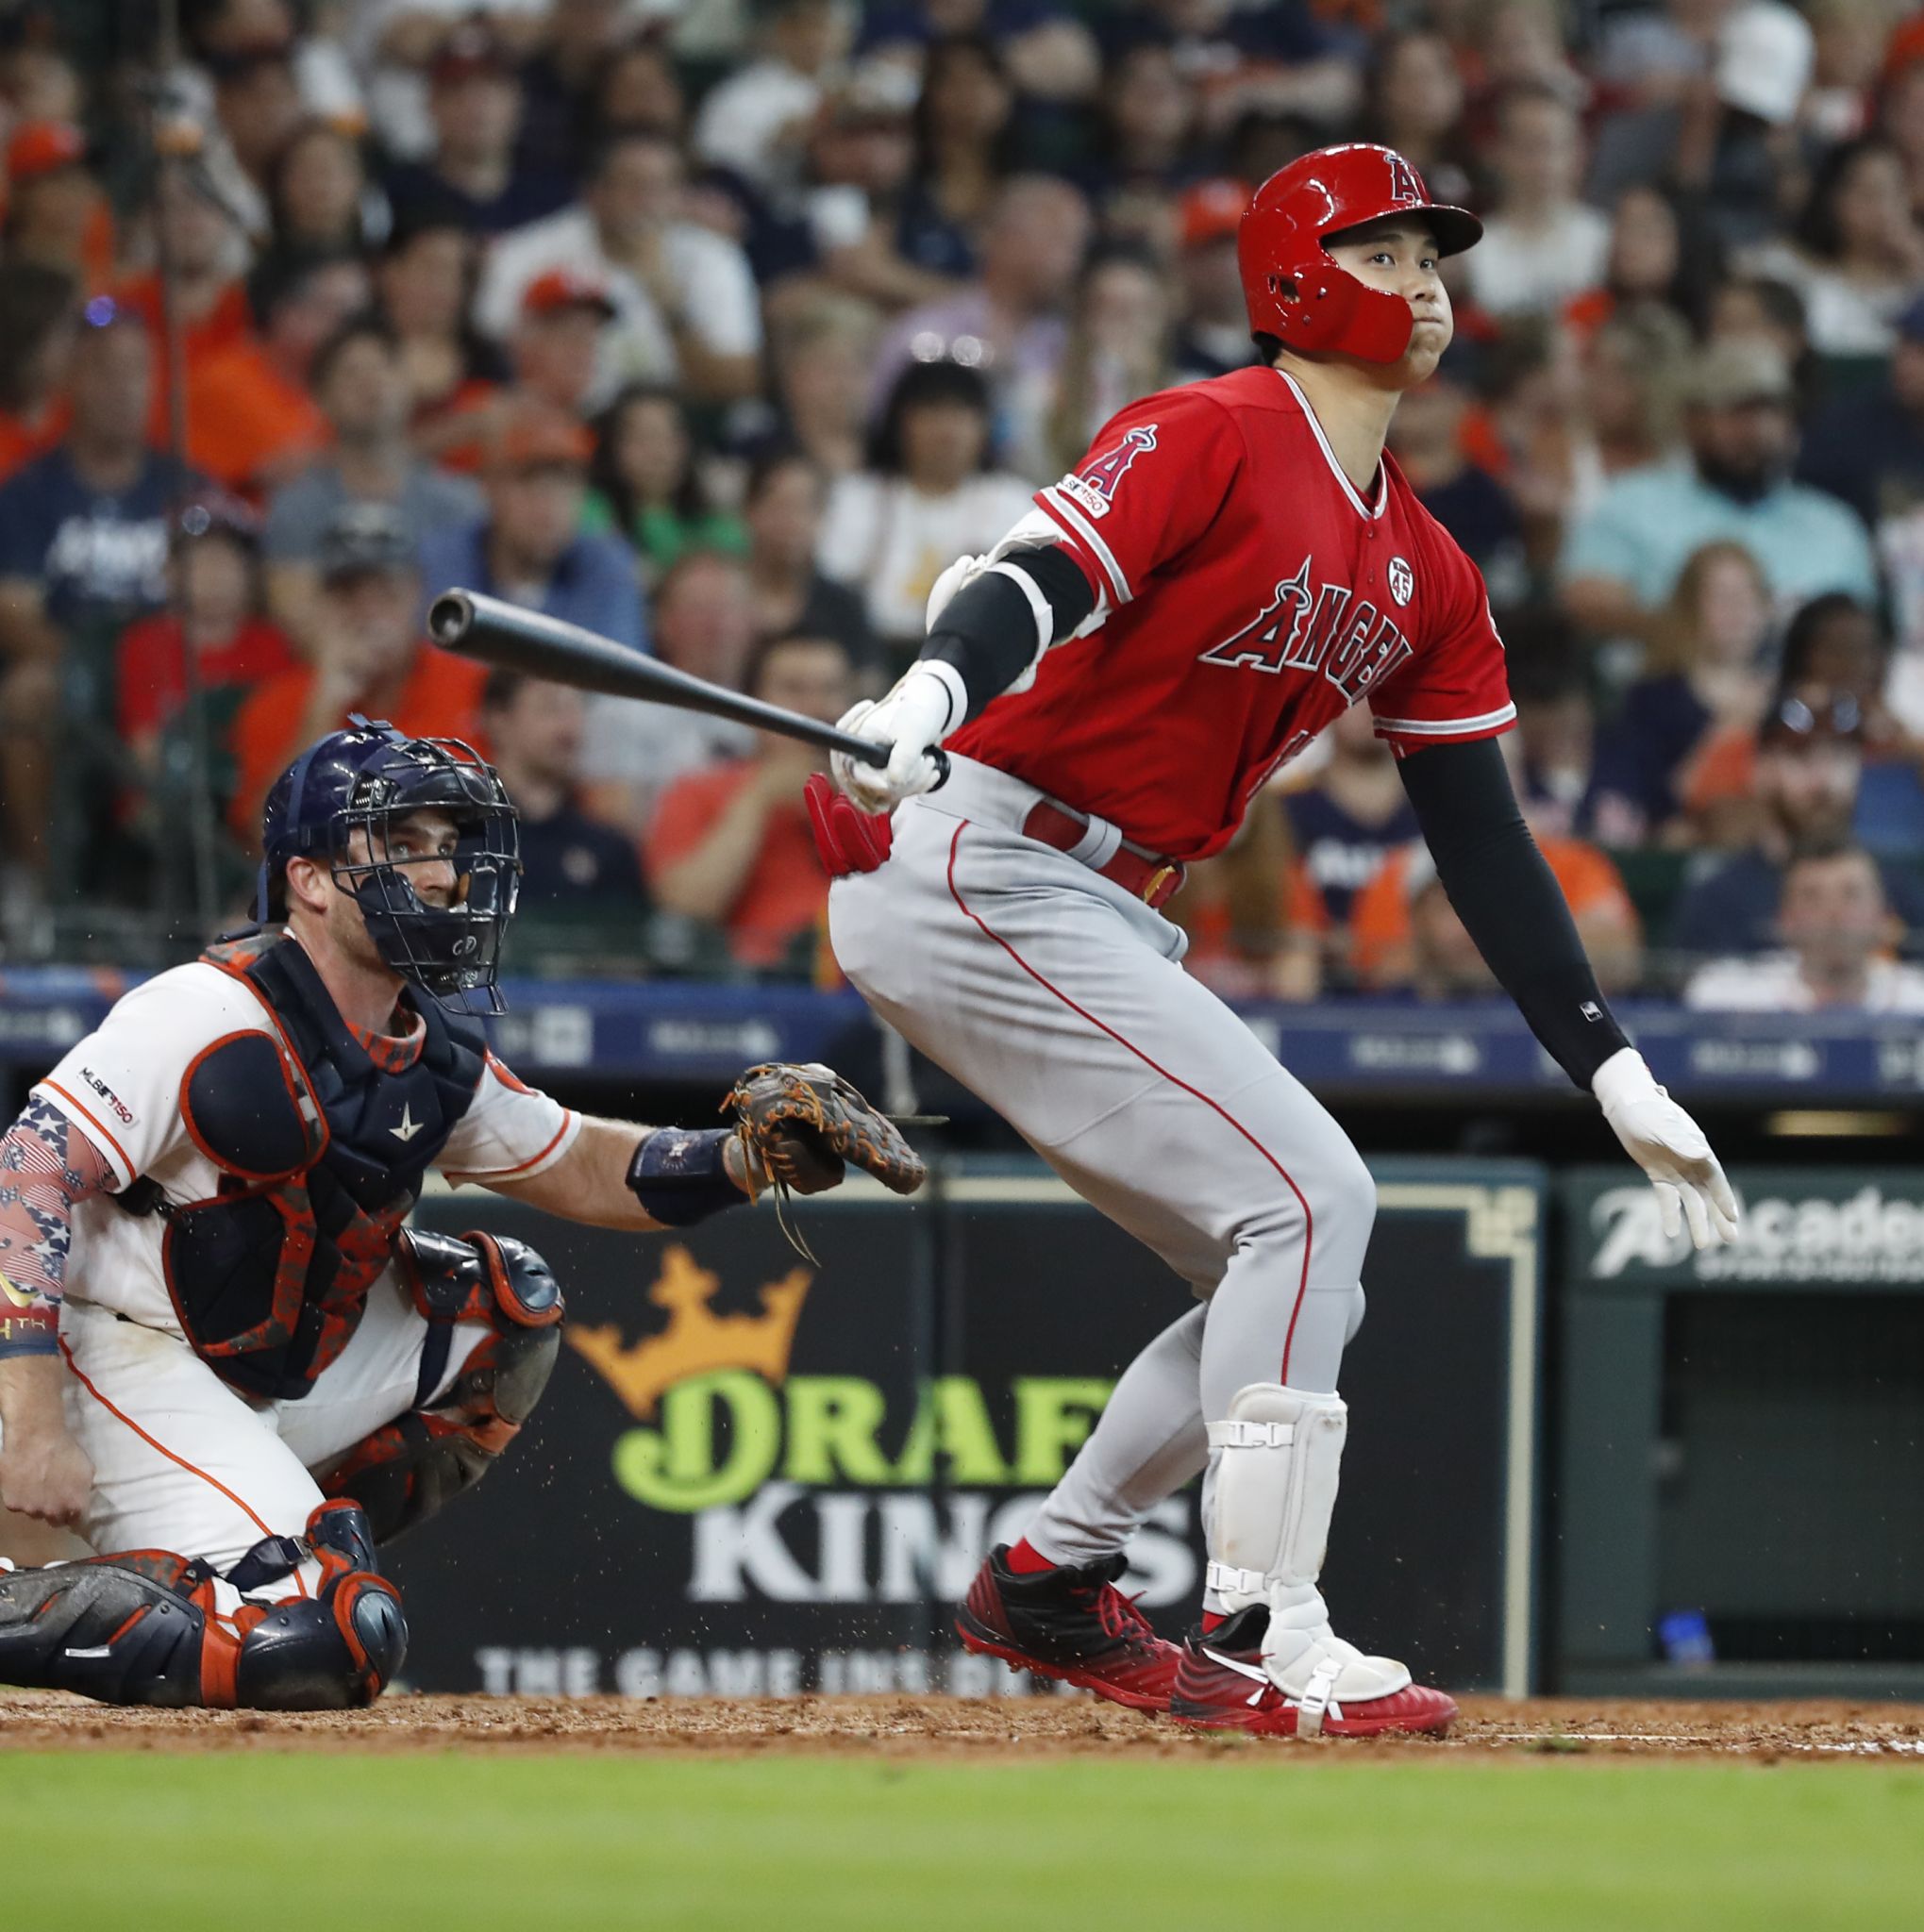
1402,580
1094,486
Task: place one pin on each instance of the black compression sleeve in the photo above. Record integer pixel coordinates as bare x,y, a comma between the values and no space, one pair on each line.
1509,900
988,629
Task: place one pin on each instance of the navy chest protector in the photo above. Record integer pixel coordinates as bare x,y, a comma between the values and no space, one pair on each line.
322,1153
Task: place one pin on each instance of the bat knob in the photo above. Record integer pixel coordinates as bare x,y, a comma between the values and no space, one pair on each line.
940,759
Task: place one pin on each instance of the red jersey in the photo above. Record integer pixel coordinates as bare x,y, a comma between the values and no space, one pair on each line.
1245,596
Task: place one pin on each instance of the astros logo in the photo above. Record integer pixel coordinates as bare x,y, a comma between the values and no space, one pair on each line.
1402,580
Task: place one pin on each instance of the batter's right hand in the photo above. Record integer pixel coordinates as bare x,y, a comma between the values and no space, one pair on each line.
43,1473
926,704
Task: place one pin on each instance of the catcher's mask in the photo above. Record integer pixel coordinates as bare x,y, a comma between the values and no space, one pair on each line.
368,779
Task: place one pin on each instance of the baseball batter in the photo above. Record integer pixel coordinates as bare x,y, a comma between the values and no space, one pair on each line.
1232,566
222,1356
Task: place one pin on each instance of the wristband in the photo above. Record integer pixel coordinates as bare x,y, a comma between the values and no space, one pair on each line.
38,1333
679,1177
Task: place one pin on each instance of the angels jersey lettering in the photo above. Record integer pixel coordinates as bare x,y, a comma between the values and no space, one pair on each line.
1246,595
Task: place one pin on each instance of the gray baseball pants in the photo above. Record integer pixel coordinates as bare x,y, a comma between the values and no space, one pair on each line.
1060,1000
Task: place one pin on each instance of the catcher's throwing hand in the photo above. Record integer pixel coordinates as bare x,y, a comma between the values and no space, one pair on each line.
1670,1147
799,1126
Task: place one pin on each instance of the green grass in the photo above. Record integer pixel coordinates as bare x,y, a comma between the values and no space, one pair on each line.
1251,1840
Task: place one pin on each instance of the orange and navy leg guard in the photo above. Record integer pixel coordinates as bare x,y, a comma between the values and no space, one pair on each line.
405,1471
145,1626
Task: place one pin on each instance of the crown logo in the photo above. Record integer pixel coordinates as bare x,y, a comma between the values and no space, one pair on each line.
696,1340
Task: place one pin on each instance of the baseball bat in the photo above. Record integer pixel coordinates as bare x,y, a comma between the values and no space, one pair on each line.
518,639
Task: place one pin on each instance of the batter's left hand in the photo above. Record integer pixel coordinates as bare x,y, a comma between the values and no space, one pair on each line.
1670,1147
927,702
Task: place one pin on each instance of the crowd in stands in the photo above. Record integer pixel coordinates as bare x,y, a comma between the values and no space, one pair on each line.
722,326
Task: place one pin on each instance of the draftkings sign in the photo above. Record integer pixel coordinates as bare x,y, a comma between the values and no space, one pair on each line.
756,1474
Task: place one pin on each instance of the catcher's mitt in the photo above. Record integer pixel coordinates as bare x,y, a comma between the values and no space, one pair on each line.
801,1125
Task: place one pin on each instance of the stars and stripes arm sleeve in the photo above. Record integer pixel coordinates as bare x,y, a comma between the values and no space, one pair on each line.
46,1165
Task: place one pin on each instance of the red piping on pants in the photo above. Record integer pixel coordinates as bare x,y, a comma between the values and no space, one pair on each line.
1215,1107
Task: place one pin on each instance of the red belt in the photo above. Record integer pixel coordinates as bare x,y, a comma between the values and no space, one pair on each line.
1154,881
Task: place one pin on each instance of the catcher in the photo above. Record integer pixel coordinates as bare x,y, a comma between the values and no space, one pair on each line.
223,1358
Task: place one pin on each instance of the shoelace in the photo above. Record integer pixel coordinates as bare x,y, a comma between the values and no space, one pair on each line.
1117,1613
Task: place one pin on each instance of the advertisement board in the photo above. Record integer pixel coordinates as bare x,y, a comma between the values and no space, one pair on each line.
755,1474
1740,1444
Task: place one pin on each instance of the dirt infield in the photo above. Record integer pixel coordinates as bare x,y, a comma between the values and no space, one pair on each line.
908,1726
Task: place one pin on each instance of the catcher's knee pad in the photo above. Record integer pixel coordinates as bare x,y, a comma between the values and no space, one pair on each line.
403,1473
1274,1491
147,1626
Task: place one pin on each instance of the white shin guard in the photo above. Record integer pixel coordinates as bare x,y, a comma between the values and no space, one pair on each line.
1281,1451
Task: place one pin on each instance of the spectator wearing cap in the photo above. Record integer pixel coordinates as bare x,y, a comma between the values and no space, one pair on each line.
1541,243
529,547
1867,445
215,616
83,550
647,485
1621,561
573,865
1837,935
474,175
756,121
1213,330
368,656
782,509
932,492
686,306
730,846
37,314
55,214
1011,323
1806,788
359,381
557,343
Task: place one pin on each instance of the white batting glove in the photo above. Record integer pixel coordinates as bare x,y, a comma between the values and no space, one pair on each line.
1670,1147
927,702
963,570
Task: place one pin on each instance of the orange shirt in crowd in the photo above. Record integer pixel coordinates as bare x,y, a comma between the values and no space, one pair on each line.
441,699
786,892
1380,914
246,425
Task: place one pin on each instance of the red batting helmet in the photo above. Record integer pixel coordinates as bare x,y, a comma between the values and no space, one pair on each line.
1295,290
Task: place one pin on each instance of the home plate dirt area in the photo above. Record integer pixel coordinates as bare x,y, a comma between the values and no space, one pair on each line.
910,1727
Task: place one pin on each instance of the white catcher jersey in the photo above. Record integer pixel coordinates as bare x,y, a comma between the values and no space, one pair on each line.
121,1087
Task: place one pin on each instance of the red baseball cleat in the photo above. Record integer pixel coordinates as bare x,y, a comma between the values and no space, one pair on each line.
1221,1684
1072,1625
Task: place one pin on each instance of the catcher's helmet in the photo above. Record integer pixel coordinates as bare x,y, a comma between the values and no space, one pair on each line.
1295,290
368,778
